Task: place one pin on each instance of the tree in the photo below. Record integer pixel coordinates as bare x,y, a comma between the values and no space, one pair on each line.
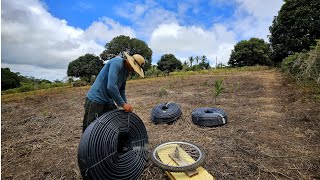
204,64
191,60
169,63
249,53
197,59
9,79
295,28
125,43
203,59
85,67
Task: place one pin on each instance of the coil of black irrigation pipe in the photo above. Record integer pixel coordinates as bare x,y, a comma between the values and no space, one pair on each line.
209,117
114,146
165,113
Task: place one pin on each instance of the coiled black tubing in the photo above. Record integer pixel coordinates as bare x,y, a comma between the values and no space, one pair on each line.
165,113
114,146
209,117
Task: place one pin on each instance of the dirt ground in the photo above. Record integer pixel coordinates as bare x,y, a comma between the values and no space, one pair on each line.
273,129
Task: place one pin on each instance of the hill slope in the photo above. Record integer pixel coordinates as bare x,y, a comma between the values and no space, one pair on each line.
273,129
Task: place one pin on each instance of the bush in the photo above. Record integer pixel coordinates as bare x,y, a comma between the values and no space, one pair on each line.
79,83
26,88
304,66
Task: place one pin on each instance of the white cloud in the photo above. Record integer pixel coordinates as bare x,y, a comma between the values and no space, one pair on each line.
261,8
32,37
106,29
185,41
146,16
254,17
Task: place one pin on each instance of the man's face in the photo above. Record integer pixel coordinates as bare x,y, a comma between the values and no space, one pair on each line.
128,66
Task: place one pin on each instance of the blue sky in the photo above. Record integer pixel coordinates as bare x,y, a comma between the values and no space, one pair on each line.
40,38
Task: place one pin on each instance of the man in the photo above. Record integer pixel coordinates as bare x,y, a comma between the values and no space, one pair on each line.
109,87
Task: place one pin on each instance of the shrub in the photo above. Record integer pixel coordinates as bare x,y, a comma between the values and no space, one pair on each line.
162,91
79,83
304,66
26,88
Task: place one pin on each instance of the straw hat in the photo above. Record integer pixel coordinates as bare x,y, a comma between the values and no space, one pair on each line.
136,61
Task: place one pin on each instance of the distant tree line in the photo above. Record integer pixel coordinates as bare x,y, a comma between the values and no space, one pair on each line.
200,62
12,82
87,67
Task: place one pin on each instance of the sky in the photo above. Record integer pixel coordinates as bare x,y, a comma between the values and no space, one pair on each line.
40,38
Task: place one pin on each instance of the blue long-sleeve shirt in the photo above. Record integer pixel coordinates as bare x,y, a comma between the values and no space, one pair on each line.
110,84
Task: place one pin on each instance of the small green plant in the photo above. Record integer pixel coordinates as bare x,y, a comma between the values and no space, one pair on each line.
217,89
45,112
162,91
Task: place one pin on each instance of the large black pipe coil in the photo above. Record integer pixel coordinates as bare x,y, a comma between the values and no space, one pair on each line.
209,117
114,146
165,113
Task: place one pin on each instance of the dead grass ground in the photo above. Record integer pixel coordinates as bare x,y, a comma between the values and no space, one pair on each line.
273,130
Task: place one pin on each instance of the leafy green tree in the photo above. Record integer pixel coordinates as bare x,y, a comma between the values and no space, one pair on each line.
249,53
169,63
125,43
204,64
295,28
9,79
203,58
85,67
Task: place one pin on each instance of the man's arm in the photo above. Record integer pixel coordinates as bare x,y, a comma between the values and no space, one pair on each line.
123,92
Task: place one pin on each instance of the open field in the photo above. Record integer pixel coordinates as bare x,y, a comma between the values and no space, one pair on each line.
273,130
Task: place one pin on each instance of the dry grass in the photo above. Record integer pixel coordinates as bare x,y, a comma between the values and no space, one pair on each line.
273,129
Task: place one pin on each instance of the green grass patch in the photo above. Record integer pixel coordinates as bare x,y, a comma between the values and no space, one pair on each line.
222,70
18,96
26,87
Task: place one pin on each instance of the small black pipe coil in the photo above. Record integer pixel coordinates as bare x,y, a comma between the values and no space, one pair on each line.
209,117
165,113
114,146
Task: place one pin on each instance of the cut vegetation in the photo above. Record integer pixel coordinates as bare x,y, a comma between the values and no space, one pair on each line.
272,131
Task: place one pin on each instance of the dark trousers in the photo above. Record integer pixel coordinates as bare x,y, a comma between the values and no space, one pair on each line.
92,110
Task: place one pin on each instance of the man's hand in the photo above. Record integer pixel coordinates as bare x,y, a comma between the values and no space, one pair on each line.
127,107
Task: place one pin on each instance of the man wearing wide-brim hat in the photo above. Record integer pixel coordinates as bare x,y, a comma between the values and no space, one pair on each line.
108,90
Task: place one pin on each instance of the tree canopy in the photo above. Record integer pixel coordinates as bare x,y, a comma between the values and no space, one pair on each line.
249,53
9,79
85,67
295,28
125,43
169,63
